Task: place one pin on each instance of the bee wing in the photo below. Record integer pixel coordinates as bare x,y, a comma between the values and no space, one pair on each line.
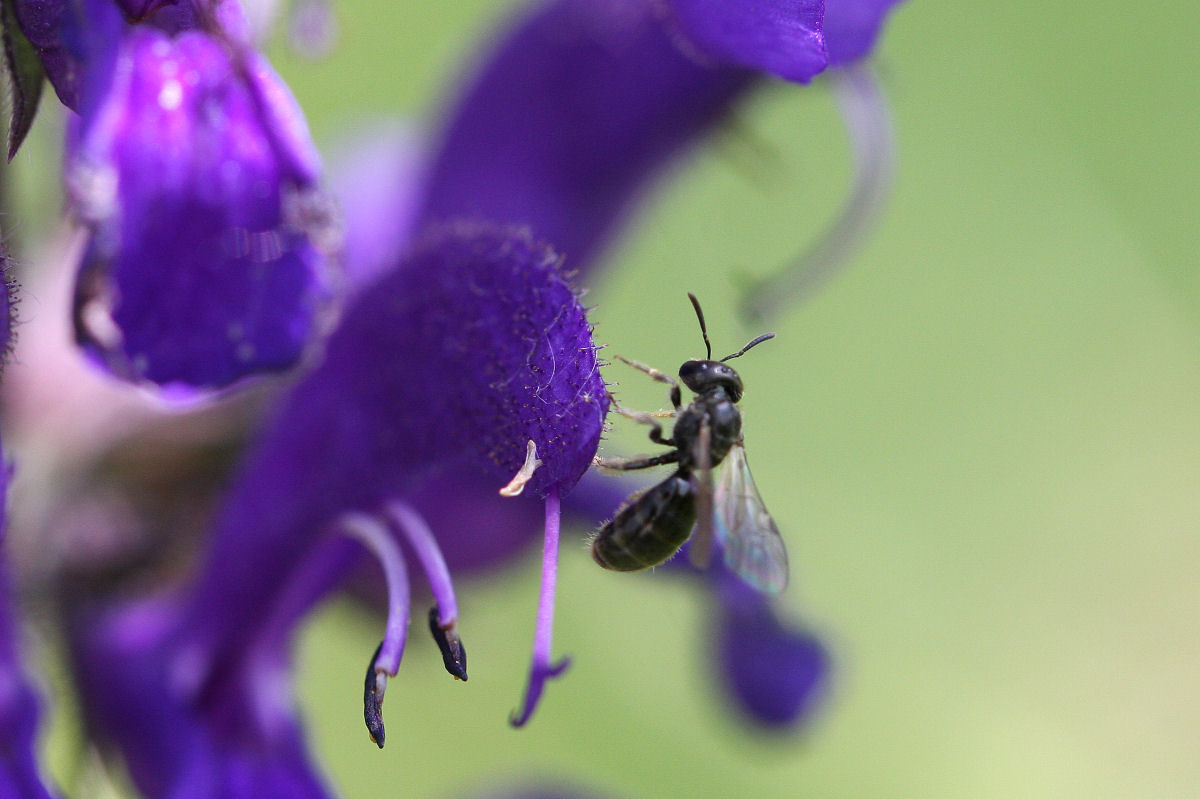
753,548
700,550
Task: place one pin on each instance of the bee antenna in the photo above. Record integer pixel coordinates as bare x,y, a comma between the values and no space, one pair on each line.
754,343
703,327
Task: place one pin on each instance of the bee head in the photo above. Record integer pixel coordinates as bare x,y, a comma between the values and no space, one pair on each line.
700,376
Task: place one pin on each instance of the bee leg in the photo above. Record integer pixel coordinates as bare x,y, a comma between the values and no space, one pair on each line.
676,396
656,433
626,464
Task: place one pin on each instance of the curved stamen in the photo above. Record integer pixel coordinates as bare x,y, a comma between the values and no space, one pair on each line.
872,139
386,660
541,669
443,617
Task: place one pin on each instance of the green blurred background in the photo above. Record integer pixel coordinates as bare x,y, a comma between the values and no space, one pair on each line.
982,441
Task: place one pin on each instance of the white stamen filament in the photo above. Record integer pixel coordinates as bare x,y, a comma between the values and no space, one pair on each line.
524,474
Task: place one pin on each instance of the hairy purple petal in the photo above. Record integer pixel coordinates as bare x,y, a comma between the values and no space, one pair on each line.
776,673
782,37
852,26
574,113
195,274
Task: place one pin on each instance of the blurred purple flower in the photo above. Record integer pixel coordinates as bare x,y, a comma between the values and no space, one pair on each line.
191,165
19,776
776,673
190,173
174,743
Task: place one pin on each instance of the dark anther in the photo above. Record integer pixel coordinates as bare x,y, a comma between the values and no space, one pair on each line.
454,654
373,700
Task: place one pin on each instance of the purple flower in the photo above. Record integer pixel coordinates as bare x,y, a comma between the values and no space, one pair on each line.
191,170
776,674
191,165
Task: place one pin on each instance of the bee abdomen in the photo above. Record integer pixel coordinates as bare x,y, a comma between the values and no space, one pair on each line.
649,529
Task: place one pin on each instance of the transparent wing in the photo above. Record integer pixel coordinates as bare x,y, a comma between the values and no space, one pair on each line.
753,547
700,550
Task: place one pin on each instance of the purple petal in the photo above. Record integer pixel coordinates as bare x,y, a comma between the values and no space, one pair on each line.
19,776
776,673
195,276
574,113
52,27
235,735
176,742
782,37
852,26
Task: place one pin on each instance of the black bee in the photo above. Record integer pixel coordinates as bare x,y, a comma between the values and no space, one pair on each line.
653,524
